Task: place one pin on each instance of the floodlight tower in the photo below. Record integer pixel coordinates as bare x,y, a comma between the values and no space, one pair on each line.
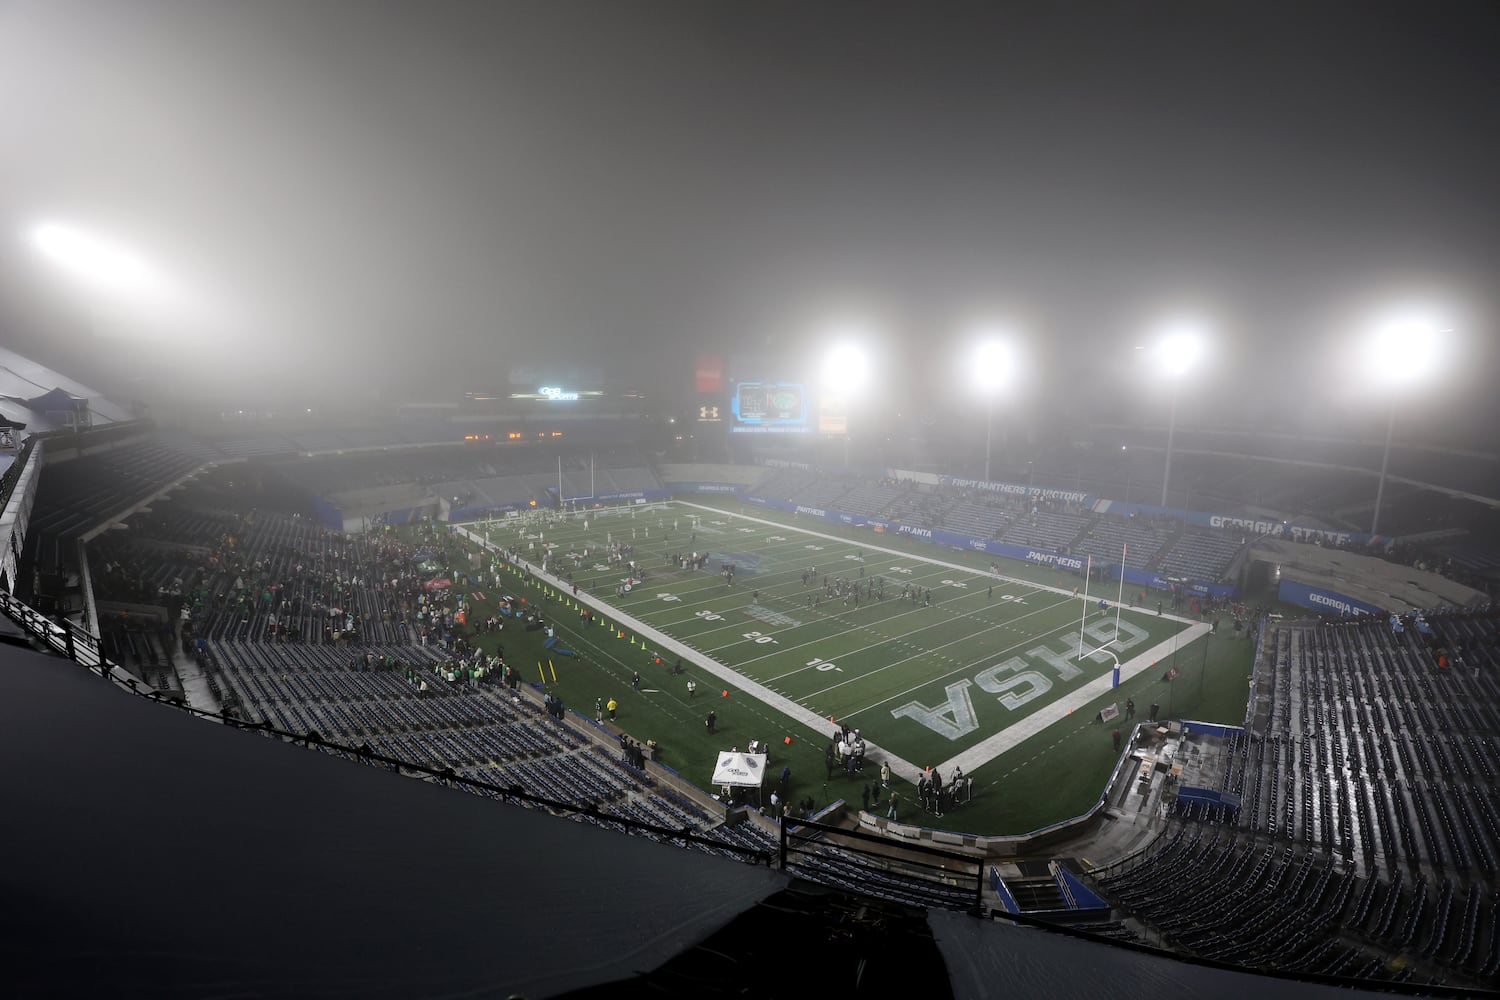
992,370
1402,352
1177,353
846,372
96,262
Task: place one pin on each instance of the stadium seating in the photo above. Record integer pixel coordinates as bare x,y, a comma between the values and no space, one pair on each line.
1373,766
79,494
1108,536
1046,530
1200,555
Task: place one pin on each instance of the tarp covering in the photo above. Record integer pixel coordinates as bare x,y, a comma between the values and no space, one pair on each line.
740,770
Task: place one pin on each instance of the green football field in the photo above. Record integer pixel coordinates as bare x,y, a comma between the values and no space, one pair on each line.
936,658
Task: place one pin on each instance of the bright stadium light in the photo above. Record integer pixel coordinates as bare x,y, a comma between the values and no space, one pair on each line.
845,376
94,261
992,367
1178,351
846,368
1405,349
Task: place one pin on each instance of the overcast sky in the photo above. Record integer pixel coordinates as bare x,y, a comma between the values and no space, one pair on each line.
394,197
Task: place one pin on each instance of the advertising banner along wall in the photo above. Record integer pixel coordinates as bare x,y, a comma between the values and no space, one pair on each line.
1324,600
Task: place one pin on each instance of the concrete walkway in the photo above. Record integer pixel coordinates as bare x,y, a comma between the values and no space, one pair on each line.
194,681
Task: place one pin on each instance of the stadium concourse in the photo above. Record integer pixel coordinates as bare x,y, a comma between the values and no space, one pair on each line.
1347,829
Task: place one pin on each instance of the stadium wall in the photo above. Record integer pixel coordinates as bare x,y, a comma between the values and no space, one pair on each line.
699,487
1018,489
741,476
1324,600
1154,580
456,514
328,515
1234,522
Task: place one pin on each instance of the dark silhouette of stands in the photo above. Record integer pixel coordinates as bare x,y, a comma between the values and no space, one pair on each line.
79,494
1045,523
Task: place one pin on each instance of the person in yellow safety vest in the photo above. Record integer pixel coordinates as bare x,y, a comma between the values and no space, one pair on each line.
611,706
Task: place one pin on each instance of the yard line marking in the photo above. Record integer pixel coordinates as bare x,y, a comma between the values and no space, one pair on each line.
755,689
925,652
891,552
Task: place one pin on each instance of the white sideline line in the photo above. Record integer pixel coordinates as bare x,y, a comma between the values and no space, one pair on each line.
873,751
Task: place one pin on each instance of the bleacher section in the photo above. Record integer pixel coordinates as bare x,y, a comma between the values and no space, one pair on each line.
1197,554
1047,531
832,866
1367,822
980,520
467,476
785,484
874,499
260,590
1418,744
1140,539
80,494
1200,555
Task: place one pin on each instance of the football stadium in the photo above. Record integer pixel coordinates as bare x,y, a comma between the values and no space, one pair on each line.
438,602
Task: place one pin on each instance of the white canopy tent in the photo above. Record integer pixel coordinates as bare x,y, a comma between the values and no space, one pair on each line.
740,770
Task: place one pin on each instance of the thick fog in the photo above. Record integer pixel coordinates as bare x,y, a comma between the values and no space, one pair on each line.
371,201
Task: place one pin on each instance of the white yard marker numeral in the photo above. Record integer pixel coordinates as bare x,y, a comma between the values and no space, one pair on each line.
758,637
669,597
825,665
954,583
708,616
